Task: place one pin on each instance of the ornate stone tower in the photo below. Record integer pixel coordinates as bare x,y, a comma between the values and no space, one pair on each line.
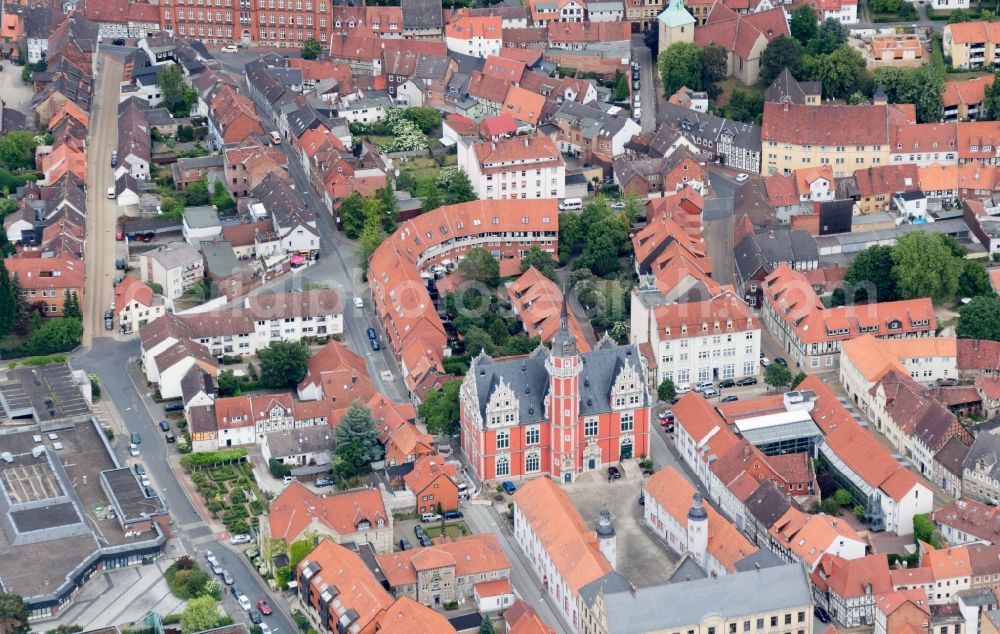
564,367
606,539
697,529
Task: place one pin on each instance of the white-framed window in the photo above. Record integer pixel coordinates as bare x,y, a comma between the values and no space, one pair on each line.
503,466
532,435
503,440
532,462
590,427
628,421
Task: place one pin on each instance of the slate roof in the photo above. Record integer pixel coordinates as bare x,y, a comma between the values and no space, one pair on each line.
951,455
530,380
763,250
785,88
286,205
707,126
767,504
985,449
422,14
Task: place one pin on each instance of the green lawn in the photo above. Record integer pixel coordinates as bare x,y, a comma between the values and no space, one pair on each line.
424,167
454,530
728,86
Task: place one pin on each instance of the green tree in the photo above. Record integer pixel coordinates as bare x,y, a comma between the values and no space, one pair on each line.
992,102
371,237
714,64
803,23
8,302
439,409
171,84
197,193
777,375
780,53
486,627
797,379
278,469
830,36
744,106
311,49
431,200
570,235
974,280
843,497
200,614
13,614
17,150
922,86
388,207
229,384
621,86
980,319
283,363
666,392
479,265
924,266
358,426
65,629
459,189
541,260
427,119
958,15
349,460
841,72
923,529
872,268
680,65
55,335
71,306
7,207
352,214
221,198
858,98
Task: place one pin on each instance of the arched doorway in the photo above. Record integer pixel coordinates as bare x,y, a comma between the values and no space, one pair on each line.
245,38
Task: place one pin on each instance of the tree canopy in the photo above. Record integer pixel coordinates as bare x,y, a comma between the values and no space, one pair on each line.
841,72
283,363
541,260
872,268
200,614
924,266
777,375
666,391
680,65
17,150
358,427
13,614
922,86
311,49
803,23
980,319
439,409
479,265
781,52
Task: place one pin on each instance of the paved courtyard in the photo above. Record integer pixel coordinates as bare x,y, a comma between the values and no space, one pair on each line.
16,93
642,558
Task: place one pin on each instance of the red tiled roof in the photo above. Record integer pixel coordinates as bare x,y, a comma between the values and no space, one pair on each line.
538,303
296,509
472,555
739,32
358,590
830,125
970,91
132,289
37,273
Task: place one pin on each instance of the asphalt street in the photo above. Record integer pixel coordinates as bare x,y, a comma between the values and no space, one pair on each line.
114,363
647,87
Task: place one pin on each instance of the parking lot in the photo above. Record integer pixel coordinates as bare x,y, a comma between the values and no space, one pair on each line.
642,558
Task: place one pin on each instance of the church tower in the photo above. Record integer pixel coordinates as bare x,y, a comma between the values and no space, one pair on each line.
676,24
697,531
564,367
606,540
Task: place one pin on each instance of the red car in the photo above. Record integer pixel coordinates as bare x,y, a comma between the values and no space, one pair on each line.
120,236
264,608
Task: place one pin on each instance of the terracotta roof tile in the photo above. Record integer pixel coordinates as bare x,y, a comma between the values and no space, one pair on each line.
297,509
472,555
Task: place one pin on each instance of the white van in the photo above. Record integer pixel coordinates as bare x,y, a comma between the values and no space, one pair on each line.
571,204
682,388
111,192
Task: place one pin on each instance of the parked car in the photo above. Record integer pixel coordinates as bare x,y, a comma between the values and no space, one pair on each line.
169,437
216,568
371,334
747,380
725,383
359,303
781,361
264,608
234,591
111,192
242,538
764,361
618,205
119,235
133,450
374,344
821,614
227,578
275,138
135,438
947,382
244,602
109,323
120,264
454,515
211,559
729,399
141,471
264,628
324,482
613,473
164,425
118,41
430,517
255,617
703,385
642,500
667,414
709,392
232,48
742,178
508,486
404,544
422,536
176,406
682,388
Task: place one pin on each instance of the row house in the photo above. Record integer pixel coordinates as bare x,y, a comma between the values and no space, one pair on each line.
475,36
280,23
796,193
526,167
428,87
353,517
123,18
445,573
247,163
649,177
710,340
966,521
813,334
806,538
981,469
362,53
592,133
964,100
293,221
335,589
511,17
876,186
47,281
847,588
400,294
382,22
924,144
677,514
401,58
972,45
537,302
422,19
136,305
175,267
544,12
134,141
232,117
757,255
731,143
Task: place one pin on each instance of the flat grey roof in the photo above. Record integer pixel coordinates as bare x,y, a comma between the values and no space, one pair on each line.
778,433
49,391
129,495
688,603
201,217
